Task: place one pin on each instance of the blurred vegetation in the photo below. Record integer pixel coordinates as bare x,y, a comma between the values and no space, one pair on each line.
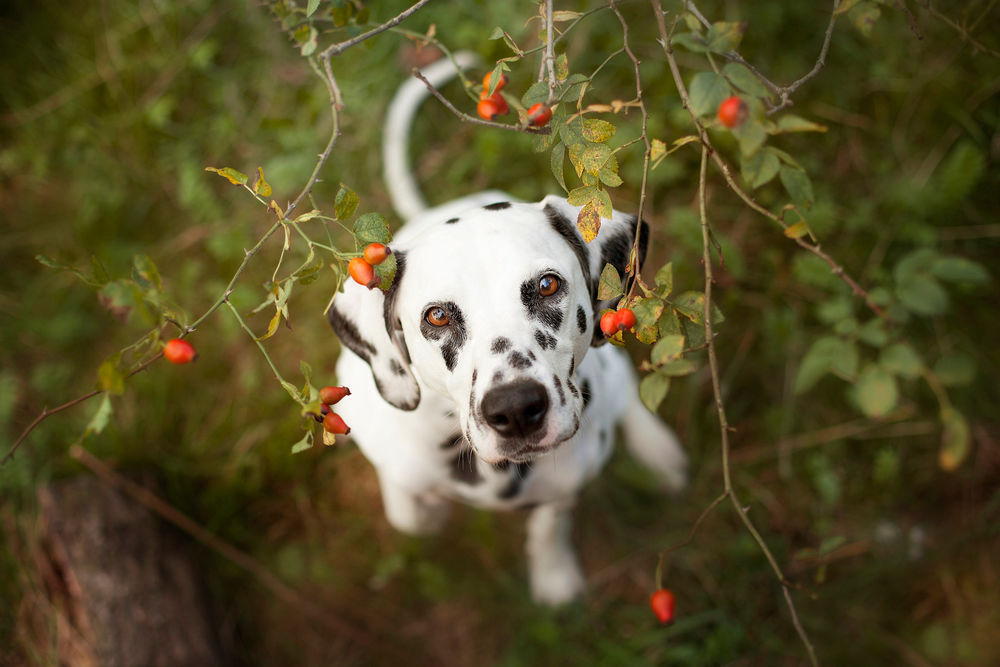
110,112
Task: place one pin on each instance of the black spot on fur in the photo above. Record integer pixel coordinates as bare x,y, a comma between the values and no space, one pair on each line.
452,336
451,221
498,377
581,319
396,367
518,360
585,390
518,475
349,335
572,388
546,341
464,468
497,206
559,389
500,345
544,309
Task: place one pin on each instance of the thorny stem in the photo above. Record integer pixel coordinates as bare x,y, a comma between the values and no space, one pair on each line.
337,49
724,428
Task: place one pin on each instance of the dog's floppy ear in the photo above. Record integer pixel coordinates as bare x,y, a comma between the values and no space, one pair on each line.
365,321
613,245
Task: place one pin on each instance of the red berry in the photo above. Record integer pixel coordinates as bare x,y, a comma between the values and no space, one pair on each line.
375,253
662,604
487,109
500,84
625,319
732,112
362,272
179,351
332,423
609,323
539,115
332,395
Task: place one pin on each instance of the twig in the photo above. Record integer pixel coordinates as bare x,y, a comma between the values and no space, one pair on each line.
721,411
331,621
965,34
464,117
550,52
337,49
687,540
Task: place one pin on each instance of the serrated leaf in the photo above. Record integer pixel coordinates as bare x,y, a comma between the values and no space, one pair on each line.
955,439
668,348
669,324
610,178
594,157
875,391
305,443
653,389
604,208
725,36
902,360
588,222
751,135
610,284
230,174
261,186
798,230
496,34
597,130
745,80
798,185
537,92
101,417
706,92
371,228
346,203
110,377
691,305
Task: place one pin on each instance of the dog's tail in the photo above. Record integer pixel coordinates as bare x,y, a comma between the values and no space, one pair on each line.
655,445
407,199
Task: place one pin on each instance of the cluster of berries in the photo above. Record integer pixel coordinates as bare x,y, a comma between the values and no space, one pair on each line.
362,269
332,422
614,321
491,106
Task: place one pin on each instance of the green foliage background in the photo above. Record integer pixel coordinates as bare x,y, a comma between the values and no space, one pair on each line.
108,114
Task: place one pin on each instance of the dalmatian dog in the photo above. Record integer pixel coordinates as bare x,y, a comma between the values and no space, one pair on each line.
480,375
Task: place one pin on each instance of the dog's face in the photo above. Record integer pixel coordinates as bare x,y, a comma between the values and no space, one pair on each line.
494,309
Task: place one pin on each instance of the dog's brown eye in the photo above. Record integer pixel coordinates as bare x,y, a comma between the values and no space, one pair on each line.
436,316
548,285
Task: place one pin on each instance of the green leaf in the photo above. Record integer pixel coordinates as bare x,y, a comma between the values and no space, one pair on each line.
496,34
597,130
678,367
667,349
955,369
345,203
669,324
305,443
110,377
922,294
558,162
692,306
706,92
261,186
230,174
745,80
647,314
311,7
610,284
101,417
798,185
875,391
371,228
690,41
793,123
874,332
610,177
864,16
959,270
825,355
594,157
581,195
955,439
902,360
653,389
759,168
145,273
725,36
751,135
665,279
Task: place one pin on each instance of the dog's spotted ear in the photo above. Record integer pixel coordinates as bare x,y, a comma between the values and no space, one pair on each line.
366,323
613,245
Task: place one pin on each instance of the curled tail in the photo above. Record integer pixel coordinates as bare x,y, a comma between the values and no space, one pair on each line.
407,199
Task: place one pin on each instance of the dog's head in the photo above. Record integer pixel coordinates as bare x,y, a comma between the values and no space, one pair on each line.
494,309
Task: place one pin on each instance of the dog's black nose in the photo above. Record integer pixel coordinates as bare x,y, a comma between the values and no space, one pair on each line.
516,409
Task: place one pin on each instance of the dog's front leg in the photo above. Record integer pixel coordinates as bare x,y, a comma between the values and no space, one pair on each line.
413,513
555,574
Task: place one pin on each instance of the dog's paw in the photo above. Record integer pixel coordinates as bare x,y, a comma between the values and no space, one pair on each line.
556,585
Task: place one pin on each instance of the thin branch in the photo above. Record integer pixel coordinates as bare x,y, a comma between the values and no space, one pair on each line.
724,428
965,34
687,540
550,52
337,49
464,117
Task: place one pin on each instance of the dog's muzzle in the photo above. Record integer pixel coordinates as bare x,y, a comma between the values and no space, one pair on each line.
516,412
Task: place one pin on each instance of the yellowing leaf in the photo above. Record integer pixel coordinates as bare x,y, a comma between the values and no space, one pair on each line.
797,231
588,222
955,440
230,174
597,130
261,186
